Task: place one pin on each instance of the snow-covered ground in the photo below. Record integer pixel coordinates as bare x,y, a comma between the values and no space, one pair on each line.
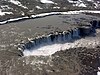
46,14
16,5
81,3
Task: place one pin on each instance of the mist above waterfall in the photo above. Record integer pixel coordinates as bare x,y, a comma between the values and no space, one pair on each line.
51,49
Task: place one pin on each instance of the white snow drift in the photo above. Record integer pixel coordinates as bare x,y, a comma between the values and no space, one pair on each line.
17,3
47,1
3,13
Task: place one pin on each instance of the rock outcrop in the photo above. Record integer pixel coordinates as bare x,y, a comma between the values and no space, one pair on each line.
59,37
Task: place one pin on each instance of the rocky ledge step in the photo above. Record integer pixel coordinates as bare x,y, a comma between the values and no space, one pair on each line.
57,37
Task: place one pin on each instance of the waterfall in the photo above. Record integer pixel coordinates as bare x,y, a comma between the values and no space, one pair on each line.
52,38
58,38
95,23
76,33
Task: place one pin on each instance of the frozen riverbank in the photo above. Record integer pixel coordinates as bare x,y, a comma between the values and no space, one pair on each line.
48,14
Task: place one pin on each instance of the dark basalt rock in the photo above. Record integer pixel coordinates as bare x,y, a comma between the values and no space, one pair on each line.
53,38
61,36
85,31
98,24
95,23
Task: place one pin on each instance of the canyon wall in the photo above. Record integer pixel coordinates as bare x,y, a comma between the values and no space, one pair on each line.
61,37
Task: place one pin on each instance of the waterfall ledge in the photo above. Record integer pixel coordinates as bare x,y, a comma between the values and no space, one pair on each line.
48,45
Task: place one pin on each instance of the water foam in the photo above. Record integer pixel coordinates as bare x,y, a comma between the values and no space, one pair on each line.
51,49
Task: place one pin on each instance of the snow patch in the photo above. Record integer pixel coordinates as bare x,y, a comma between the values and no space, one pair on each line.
78,3
90,0
72,1
17,3
47,1
57,7
3,13
5,7
45,14
65,13
38,7
98,73
82,5
17,19
96,5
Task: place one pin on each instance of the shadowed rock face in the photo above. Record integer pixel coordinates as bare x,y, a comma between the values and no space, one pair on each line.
59,37
86,31
95,24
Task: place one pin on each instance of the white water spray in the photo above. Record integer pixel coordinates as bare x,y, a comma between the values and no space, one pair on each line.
51,49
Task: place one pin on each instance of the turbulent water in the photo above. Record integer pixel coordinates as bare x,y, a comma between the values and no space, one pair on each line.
51,49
